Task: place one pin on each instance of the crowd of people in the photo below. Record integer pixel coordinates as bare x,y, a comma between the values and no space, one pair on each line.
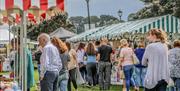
151,66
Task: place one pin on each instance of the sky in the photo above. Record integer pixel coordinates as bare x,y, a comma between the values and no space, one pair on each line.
99,7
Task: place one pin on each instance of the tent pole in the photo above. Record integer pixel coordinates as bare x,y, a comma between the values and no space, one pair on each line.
23,53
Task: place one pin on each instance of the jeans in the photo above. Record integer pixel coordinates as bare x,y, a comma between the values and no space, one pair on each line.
139,76
161,86
83,73
128,71
63,81
72,78
49,82
104,75
91,73
177,84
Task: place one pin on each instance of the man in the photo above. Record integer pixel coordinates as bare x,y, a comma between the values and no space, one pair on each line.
104,65
50,64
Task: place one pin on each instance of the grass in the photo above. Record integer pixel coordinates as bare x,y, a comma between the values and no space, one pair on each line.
81,88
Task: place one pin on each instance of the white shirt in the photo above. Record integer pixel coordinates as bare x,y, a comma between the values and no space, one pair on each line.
80,55
50,59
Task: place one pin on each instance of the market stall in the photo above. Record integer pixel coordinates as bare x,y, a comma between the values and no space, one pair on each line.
62,33
18,10
133,29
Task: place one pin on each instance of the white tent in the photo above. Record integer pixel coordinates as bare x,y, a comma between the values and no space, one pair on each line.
4,34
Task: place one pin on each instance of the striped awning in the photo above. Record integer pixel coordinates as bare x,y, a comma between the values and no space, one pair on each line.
83,36
168,23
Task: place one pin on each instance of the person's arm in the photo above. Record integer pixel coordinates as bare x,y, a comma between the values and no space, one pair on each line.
74,55
98,54
145,57
121,58
44,62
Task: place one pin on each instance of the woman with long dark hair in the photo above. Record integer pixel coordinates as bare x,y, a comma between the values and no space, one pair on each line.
91,64
80,60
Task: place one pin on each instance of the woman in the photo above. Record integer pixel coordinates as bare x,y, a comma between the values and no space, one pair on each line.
80,59
126,62
63,74
91,64
156,60
72,67
140,70
174,59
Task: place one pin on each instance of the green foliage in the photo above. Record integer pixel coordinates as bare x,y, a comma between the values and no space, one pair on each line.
177,8
50,25
103,20
157,8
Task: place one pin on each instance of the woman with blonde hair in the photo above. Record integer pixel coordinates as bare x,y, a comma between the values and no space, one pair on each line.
126,62
156,60
63,74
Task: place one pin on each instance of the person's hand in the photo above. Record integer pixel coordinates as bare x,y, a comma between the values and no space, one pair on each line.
120,65
41,78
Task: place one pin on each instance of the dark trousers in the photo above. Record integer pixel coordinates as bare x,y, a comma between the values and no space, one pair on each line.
72,78
177,83
161,86
83,72
49,82
91,73
104,75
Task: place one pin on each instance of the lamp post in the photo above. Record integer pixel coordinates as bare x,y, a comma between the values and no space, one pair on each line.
120,14
89,21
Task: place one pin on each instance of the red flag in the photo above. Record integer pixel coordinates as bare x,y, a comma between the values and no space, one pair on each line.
30,16
60,4
44,4
18,19
26,4
43,15
9,4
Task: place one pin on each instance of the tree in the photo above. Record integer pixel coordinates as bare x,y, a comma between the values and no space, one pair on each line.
177,8
50,25
103,20
131,16
157,8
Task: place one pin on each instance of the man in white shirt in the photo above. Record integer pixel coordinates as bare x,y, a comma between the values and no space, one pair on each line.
50,64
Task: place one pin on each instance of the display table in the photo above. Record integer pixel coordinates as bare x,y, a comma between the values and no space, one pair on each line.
8,84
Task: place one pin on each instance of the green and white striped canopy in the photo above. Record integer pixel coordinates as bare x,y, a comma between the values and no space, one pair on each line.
168,23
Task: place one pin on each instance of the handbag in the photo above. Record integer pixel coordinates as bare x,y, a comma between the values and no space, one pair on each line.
135,59
79,78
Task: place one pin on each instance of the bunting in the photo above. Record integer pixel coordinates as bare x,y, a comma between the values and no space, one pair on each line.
26,4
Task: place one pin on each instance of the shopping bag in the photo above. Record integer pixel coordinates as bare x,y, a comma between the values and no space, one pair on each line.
170,83
135,59
79,79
